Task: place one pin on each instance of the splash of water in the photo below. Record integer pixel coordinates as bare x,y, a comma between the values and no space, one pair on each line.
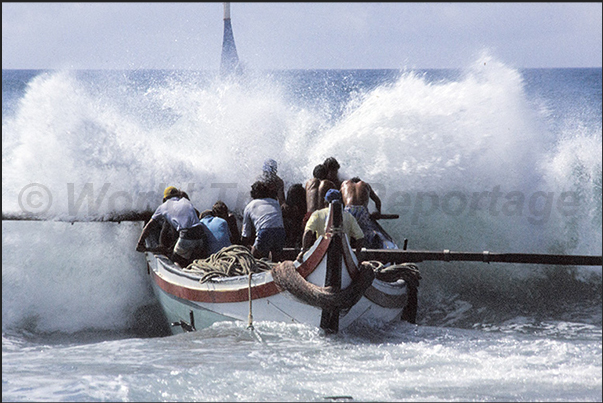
466,161
67,277
466,152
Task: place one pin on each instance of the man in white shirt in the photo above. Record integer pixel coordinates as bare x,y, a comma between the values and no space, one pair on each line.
180,213
263,219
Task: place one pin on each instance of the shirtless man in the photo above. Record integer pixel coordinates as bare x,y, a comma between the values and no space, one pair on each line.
316,189
356,195
332,166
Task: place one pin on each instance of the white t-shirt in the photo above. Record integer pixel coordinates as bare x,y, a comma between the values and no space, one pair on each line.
261,214
179,212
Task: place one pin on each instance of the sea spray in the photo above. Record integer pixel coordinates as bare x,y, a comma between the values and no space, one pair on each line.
79,147
460,159
465,159
62,277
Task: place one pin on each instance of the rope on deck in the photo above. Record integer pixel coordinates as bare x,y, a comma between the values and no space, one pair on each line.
234,260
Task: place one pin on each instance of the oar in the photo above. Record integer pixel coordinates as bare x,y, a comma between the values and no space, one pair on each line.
414,256
387,217
129,216
382,255
114,217
406,256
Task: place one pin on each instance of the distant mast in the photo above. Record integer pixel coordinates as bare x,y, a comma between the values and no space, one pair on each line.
230,60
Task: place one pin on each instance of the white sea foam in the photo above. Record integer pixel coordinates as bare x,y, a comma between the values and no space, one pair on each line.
61,277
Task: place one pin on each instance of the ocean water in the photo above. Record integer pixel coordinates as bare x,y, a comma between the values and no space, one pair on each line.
487,157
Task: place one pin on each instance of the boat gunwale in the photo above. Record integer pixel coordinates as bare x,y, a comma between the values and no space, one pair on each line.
214,293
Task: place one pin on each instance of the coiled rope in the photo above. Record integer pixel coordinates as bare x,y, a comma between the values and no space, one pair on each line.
405,271
287,278
408,272
234,260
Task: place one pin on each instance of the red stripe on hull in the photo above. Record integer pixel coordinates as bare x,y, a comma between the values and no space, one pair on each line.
241,294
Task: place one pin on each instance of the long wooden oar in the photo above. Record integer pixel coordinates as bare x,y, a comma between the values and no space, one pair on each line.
130,216
390,255
414,256
407,256
387,217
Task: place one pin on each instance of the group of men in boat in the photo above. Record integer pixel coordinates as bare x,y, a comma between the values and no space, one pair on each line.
271,220
185,234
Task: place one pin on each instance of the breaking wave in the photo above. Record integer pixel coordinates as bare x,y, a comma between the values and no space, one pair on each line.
467,158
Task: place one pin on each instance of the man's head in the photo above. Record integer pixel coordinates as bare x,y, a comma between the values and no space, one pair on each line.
261,190
170,192
333,195
270,167
296,196
220,209
320,172
331,164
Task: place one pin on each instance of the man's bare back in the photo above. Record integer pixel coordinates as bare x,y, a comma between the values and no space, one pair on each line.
356,192
316,189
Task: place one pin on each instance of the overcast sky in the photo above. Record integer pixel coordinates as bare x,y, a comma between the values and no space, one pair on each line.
299,35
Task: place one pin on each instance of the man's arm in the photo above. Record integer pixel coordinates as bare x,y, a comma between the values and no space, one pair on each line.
280,191
151,225
235,236
247,228
358,244
323,188
377,201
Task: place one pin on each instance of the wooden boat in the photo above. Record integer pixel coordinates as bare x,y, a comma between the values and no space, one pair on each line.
330,289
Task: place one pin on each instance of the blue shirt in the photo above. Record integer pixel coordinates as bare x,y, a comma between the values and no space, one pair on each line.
218,234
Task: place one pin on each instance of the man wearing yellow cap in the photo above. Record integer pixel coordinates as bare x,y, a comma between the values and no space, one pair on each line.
180,213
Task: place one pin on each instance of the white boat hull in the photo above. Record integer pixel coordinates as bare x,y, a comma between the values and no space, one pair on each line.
191,305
